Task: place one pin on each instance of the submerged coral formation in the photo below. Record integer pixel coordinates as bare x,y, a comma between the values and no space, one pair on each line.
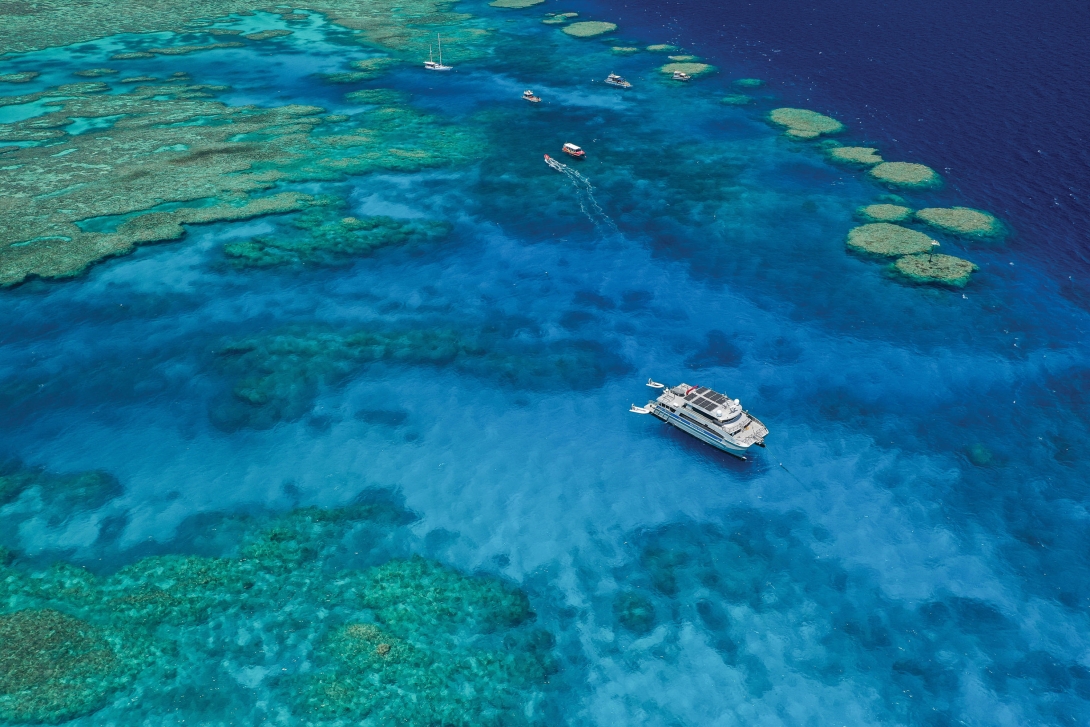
684,59
169,144
95,72
662,48
20,77
277,376
68,492
736,99
963,221
267,34
854,155
935,269
515,4
803,124
884,213
634,612
330,239
449,648
749,83
906,174
624,50
589,28
54,667
693,69
883,238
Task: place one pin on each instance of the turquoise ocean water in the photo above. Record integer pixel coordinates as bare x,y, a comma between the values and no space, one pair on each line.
909,549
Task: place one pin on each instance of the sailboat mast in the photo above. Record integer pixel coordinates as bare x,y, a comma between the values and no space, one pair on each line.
440,39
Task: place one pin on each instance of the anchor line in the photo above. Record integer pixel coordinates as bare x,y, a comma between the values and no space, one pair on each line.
585,195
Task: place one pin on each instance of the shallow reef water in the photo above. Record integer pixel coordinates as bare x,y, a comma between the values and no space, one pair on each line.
315,382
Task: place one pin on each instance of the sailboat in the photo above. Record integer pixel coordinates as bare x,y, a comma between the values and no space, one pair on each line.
430,64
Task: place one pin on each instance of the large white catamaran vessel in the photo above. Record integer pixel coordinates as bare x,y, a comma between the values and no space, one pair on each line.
707,415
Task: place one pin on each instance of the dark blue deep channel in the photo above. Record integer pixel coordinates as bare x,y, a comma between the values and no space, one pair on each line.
427,442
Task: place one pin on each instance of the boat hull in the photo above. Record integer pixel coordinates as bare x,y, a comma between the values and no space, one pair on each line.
724,445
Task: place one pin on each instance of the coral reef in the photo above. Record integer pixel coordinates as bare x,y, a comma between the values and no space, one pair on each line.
695,70
962,221
935,268
684,59
662,48
884,213
737,99
20,77
67,492
748,83
589,28
624,50
515,4
854,155
634,612
277,376
330,239
402,25
54,667
95,72
803,124
906,174
425,644
466,654
882,238
267,34
171,145
176,50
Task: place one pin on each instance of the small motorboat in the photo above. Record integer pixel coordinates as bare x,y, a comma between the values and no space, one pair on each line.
614,80
679,76
430,64
573,151
529,96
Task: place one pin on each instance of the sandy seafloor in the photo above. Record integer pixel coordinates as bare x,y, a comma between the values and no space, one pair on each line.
909,549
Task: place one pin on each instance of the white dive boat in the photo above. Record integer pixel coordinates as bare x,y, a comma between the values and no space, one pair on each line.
707,415
614,80
529,96
430,64
679,76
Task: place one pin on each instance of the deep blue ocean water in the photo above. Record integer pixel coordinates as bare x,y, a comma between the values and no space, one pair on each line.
912,546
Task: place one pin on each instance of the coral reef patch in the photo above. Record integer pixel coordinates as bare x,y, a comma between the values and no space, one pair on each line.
803,124
20,77
695,70
447,648
662,48
883,238
589,28
54,667
963,221
906,174
935,268
884,213
748,83
267,34
737,99
624,50
515,4
95,72
277,376
854,155
322,236
170,144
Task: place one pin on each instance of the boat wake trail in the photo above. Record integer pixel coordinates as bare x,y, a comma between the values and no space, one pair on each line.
584,192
